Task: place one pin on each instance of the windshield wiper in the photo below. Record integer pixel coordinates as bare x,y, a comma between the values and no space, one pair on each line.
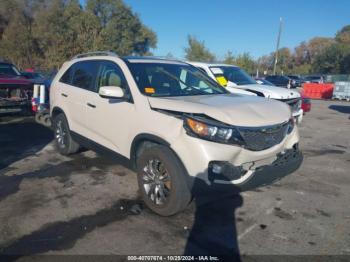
188,88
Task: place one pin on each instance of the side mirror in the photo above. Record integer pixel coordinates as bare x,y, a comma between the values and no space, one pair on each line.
111,92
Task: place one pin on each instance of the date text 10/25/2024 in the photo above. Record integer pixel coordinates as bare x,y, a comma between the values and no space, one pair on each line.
172,258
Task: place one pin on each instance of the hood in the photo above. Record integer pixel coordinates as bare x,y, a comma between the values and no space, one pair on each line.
239,110
271,91
8,79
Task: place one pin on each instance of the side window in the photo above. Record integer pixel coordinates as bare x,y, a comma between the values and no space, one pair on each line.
110,75
84,75
67,76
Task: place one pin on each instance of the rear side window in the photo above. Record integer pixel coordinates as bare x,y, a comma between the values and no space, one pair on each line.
67,76
84,75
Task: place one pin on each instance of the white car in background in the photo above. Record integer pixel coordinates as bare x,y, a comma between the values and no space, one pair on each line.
234,79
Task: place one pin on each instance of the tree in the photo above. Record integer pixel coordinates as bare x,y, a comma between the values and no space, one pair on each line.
229,58
121,30
301,54
335,57
333,60
343,36
285,60
317,46
196,51
17,43
48,32
246,62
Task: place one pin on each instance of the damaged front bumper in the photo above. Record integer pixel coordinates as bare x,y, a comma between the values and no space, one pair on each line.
15,99
8,106
256,175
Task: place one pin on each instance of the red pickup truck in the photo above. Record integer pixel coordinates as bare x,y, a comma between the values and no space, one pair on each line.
15,91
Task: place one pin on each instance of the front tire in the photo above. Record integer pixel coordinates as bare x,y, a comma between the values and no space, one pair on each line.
162,180
63,139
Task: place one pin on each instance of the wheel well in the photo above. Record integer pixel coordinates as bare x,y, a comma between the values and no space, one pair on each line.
144,141
56,111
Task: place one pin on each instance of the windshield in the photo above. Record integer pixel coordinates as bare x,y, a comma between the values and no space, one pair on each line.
163,79
8,69
233,74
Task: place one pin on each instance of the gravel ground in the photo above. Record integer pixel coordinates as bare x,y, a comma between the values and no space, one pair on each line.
87,204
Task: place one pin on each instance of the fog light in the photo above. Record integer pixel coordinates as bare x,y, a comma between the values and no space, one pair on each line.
217,169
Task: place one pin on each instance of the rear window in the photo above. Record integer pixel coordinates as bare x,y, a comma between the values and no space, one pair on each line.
82,74
67,76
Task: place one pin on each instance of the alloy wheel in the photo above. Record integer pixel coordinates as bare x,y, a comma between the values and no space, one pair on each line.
156,182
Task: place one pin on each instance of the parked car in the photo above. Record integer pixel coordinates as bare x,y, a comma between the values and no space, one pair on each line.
172,122
35,77
298,81
282,81
15,91
9,69
314,79
262,81
306,103
237,78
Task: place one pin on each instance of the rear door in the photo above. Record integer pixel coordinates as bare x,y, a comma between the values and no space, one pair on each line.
78,82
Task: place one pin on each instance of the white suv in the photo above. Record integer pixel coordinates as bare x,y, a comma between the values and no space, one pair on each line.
171,121
236,80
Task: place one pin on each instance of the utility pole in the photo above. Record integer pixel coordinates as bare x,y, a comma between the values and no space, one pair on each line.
278,45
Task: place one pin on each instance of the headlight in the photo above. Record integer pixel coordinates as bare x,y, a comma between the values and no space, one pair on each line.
299,103
216,132
291,125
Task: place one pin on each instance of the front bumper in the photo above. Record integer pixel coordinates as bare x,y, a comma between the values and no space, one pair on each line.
11,107
197,155
286,162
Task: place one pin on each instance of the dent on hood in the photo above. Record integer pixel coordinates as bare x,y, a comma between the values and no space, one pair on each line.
246,111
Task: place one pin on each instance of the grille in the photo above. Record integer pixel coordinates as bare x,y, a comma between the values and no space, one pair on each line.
257,139
294,103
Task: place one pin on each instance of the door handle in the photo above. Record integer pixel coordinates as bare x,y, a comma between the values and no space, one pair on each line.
63,94
91,105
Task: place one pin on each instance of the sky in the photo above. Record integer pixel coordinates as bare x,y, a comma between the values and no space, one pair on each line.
238,25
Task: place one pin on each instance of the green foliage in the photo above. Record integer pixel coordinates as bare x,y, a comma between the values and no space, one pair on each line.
121,29
343,36
334,60
196,51
246,62
45,33
229,58
303,69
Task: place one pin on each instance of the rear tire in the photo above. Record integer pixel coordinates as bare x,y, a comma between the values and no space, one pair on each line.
171,180
63,139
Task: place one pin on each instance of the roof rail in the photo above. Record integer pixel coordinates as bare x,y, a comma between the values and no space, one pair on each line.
97,53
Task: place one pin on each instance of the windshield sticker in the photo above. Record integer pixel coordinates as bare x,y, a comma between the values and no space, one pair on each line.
217,71
221,80
149,90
